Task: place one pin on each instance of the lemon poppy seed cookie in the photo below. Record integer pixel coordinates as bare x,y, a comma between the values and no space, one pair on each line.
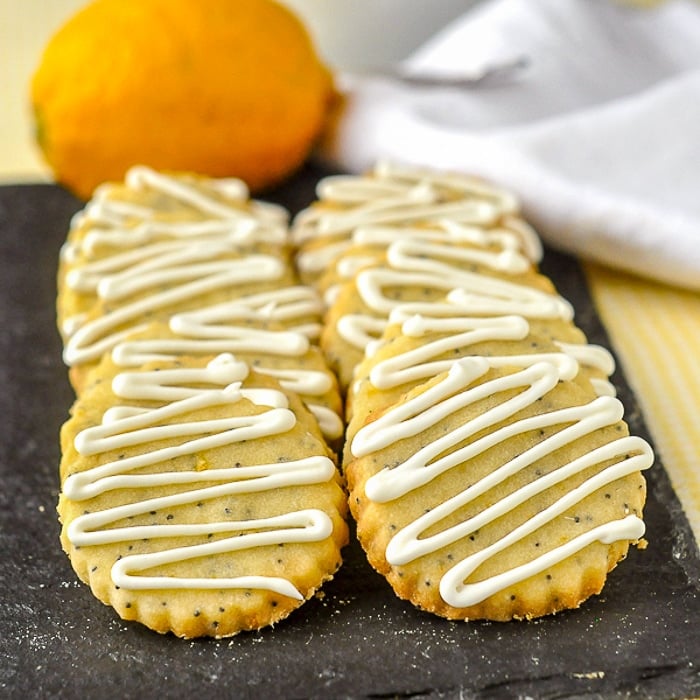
400,196
197,498
497,493
161,244
152,218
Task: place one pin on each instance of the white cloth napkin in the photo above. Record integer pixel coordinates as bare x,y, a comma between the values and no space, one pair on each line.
599,134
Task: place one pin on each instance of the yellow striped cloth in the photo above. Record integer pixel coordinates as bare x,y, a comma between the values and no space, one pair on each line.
655,332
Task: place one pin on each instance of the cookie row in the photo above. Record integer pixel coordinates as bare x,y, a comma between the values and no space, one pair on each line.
199,487
490,471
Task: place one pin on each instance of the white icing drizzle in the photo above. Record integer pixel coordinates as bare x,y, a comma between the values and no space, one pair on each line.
107,209
349,265
351,189
370,284
412,254
140,177
300,381
310,384
400,195
418,319
104,210
71,324
238,339
331,294
88,277
415,364
99,335
290,306
530,241
212,330
361,330
382,206
243,232
455,592
300,526
590,355
505,200
418,363
455,391
444,230
330,423
389,179
480,294
505,258
529,302
442,317
468,212
106,217
141,426
481,291
151,268
597,358
168,385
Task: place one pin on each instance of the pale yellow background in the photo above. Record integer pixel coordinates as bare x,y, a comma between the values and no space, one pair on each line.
25,26
654,329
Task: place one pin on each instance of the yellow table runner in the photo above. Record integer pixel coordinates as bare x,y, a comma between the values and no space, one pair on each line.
655,332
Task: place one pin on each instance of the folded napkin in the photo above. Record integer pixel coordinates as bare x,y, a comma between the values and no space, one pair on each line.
599,133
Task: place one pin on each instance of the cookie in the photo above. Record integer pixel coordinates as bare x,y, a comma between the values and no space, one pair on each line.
401,197
156,229
197,497
497,493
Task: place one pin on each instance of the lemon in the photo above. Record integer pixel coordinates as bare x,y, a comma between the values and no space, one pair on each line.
218,87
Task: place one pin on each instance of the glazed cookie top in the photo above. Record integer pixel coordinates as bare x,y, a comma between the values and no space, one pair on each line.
194,441
265,345
425,274
426,347
156,222
393,197
456,458
130,300
416,347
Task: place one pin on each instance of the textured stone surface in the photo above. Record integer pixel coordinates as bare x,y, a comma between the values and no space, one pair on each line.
640,638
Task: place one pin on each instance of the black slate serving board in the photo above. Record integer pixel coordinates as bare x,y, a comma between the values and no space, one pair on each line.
640,638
